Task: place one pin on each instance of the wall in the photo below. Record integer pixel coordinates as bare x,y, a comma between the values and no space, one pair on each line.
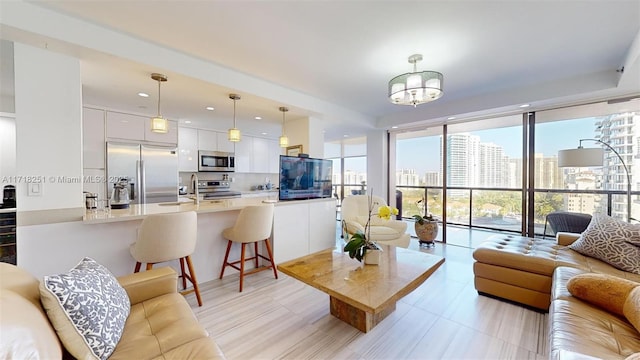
7,150
48,103
377,164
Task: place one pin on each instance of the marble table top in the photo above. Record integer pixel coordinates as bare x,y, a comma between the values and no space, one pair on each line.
370,288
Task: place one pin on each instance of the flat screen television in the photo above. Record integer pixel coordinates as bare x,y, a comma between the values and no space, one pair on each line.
304,178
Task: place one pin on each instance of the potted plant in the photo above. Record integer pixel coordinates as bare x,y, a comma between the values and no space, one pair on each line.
360,246
426,229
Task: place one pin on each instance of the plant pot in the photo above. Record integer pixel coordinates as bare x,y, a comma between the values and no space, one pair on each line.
427,232
372,257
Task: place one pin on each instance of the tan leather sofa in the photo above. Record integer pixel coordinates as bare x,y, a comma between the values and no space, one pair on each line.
535,272
160,325
521,269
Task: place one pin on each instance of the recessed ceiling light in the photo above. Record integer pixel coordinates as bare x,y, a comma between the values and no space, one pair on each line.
187,121
258,118
451,117
346,135
394,127
143,94
525,105
210,108
264,133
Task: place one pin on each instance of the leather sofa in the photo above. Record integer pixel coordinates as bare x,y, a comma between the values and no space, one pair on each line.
160,324
535,272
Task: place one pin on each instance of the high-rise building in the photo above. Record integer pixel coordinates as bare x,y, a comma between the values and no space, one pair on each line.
433,178
407,177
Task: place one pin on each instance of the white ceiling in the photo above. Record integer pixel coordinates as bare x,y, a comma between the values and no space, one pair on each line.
495,55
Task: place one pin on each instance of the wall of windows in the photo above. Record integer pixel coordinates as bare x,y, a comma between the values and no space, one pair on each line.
349,158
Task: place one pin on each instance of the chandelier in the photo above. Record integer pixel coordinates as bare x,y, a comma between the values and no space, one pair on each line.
415,88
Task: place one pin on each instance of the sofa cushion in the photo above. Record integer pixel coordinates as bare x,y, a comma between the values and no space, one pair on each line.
25,332
607,292
631,308
611,241
87,307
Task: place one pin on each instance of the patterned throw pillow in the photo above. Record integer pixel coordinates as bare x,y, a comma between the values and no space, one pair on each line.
611,241
87,307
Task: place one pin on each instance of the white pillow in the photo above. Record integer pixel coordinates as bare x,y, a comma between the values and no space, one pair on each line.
88,309
611,241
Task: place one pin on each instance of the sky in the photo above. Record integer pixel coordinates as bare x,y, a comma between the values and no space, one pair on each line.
422,154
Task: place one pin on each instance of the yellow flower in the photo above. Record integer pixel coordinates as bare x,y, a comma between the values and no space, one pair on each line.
384,212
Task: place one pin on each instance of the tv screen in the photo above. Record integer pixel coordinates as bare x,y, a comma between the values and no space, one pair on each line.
304,178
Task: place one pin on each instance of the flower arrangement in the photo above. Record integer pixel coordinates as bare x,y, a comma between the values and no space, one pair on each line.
360,242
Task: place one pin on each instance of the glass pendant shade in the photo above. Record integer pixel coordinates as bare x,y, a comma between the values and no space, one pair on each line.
284,141
415,88
159,125
234,135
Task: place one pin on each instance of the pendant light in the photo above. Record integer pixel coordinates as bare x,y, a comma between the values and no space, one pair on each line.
234,133
158,123
284,140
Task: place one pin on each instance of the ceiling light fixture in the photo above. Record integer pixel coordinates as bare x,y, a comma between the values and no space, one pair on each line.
141,94
158,123
234,133
284,140
415,88
210,108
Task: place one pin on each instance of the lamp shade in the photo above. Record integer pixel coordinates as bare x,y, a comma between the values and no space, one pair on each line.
234,135
581,157
159,125
284,141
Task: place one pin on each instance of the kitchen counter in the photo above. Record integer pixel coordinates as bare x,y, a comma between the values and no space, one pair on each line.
7,210
137,212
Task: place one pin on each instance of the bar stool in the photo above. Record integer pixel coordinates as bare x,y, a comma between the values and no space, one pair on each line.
253,225
165,237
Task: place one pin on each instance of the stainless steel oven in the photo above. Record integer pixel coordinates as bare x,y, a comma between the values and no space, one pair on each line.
216,161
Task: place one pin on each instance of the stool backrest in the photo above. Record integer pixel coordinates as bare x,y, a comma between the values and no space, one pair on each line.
254,223
164,237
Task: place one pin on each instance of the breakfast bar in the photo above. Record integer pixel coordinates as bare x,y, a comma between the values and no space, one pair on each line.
300,227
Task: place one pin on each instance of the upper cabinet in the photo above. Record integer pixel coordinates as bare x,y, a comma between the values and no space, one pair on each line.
135,127
93,147
257,155
223,142
207,140
188,149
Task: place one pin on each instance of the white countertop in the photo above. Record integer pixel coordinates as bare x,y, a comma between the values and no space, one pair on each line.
137,212
8,210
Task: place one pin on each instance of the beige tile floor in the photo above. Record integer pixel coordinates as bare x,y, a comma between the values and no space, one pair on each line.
444,318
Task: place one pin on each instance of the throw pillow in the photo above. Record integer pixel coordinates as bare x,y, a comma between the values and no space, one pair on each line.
605,291
88,309
611,241
631,308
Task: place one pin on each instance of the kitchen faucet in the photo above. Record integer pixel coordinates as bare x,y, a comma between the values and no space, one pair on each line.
194,176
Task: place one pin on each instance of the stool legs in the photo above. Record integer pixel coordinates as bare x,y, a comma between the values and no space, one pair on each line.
243,259
191,276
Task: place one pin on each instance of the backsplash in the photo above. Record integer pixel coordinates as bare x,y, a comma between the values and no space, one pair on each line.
240,181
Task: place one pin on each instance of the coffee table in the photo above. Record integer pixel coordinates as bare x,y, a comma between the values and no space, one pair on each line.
363,295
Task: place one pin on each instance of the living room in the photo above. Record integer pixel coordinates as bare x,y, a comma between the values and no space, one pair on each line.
509,129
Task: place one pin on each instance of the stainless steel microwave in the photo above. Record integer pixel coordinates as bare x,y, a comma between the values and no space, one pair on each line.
216,161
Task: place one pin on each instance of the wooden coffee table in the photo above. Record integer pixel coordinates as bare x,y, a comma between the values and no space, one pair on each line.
363,295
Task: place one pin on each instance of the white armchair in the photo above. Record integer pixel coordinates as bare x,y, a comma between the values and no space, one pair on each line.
355,212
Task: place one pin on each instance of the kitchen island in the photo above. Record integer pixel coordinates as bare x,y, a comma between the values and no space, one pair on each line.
300,227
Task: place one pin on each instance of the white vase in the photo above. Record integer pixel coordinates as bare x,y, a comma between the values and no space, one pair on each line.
372,257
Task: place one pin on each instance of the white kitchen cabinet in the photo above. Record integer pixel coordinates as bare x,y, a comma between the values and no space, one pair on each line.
125,126
223,142
322,225
188,149
207,140
243,154
138,128
274,157
93,139
170,137
260,158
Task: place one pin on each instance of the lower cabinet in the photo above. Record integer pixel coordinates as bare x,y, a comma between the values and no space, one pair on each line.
8,237
303,227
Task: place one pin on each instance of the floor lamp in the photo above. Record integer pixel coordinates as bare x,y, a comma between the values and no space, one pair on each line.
582,157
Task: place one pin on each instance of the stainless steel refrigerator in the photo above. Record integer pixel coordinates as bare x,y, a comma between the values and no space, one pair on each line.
152,171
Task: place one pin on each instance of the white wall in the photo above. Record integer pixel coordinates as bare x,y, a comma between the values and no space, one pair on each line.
377,163
7,150
48,102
